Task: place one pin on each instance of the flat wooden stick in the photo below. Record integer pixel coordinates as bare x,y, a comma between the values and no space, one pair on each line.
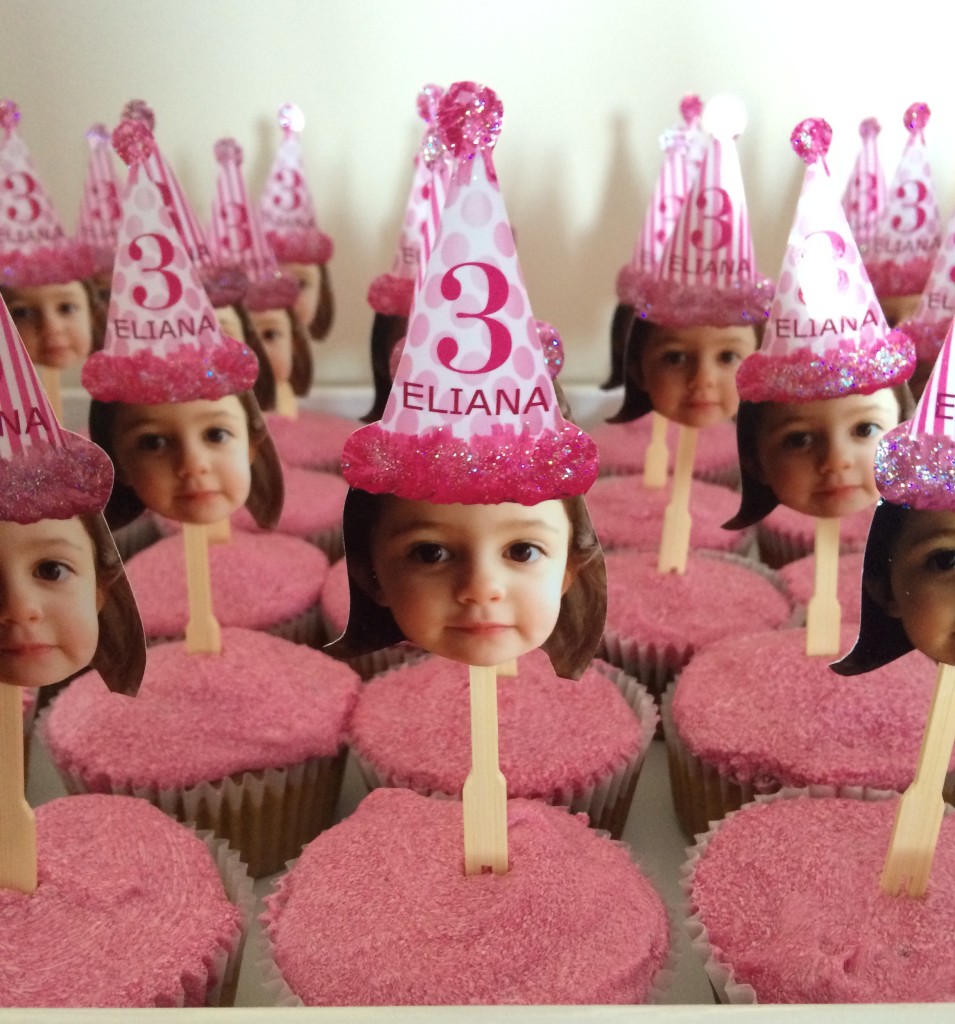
17,824
286,404
485,790
202,631
657,454
50,379
220,532
824,614
675,543
507,668
919,817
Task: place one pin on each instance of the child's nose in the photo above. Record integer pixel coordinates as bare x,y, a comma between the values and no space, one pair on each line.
193,458
19,603
836,455
480,582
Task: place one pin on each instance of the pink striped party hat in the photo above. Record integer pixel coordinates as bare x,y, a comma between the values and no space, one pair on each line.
929,323
472,416
99,207
915,462
908,233
286,206
707,274
391,294
163,342
45,472
34,248
864,198
827,335
673,183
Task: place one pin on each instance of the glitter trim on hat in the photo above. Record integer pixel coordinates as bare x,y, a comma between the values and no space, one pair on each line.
827,335
472,416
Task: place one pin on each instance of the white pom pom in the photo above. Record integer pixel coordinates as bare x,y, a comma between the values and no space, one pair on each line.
291,117
724,117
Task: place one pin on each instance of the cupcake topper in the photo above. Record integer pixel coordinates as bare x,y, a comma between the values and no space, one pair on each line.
162,342
99,208
908,233
930,322
286,207
34,248
238,236
864,198
827,335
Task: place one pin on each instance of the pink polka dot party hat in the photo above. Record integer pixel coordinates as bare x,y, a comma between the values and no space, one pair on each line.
827,335
864,198
99,206
163,342
34,247
908,233
286,206
929,324
472,416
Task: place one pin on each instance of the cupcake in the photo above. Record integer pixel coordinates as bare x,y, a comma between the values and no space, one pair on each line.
313,440
249,742
786,535
575,743
798,579
131,910
370,916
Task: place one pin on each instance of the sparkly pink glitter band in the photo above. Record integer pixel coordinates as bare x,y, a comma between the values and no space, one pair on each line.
843,369
279,292
71,261
891,278
688,305
188,374
300,246
47,482
927,336
224,285
481,470
918,472
633,286
391,296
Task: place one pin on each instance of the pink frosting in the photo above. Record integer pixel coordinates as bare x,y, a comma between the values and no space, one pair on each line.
799,579
555,735
313,503
623,446
716,597
806,922
799,530
261,703
258,581
759,710
378,911
628,515
312,441
336,600
129,911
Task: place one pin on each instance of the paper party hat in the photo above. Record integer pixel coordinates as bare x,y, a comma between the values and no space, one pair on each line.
827,335
864,198
34,248
99,207
930,322
472,416
707,274
163,342
908,233
288,213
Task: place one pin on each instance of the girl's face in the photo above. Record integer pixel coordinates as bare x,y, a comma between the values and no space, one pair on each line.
690,372
274,328
479,584
49,601
188,461
307,275
922,582
230,323
54,322
819,457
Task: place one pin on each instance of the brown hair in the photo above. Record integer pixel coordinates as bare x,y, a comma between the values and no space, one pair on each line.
97,310
322,321
264,386
583,608
265,495
386,332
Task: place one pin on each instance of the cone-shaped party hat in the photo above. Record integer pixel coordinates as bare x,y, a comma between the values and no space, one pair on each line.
864,198
99,207
930,322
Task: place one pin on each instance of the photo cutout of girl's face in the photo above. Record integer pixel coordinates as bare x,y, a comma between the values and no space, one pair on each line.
478,584
54,321
274,328
188,461
818,457
50,601
308,277
690,372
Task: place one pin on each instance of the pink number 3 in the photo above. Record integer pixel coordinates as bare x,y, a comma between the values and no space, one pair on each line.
171,280
497,292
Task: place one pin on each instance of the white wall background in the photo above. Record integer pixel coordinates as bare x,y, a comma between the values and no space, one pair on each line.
587,86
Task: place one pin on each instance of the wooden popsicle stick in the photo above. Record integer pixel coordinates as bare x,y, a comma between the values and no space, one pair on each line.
202,631
220,532
50,379
17,824
657,454
824,614
286,404
507,668
919,817
485,790
675,542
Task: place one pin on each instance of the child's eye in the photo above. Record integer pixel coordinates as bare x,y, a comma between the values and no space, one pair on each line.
52,571
867,430
269,336
20,313
524,552
218,435
151,443
941,561
430,554
673,357
797,441
68,309
729,357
